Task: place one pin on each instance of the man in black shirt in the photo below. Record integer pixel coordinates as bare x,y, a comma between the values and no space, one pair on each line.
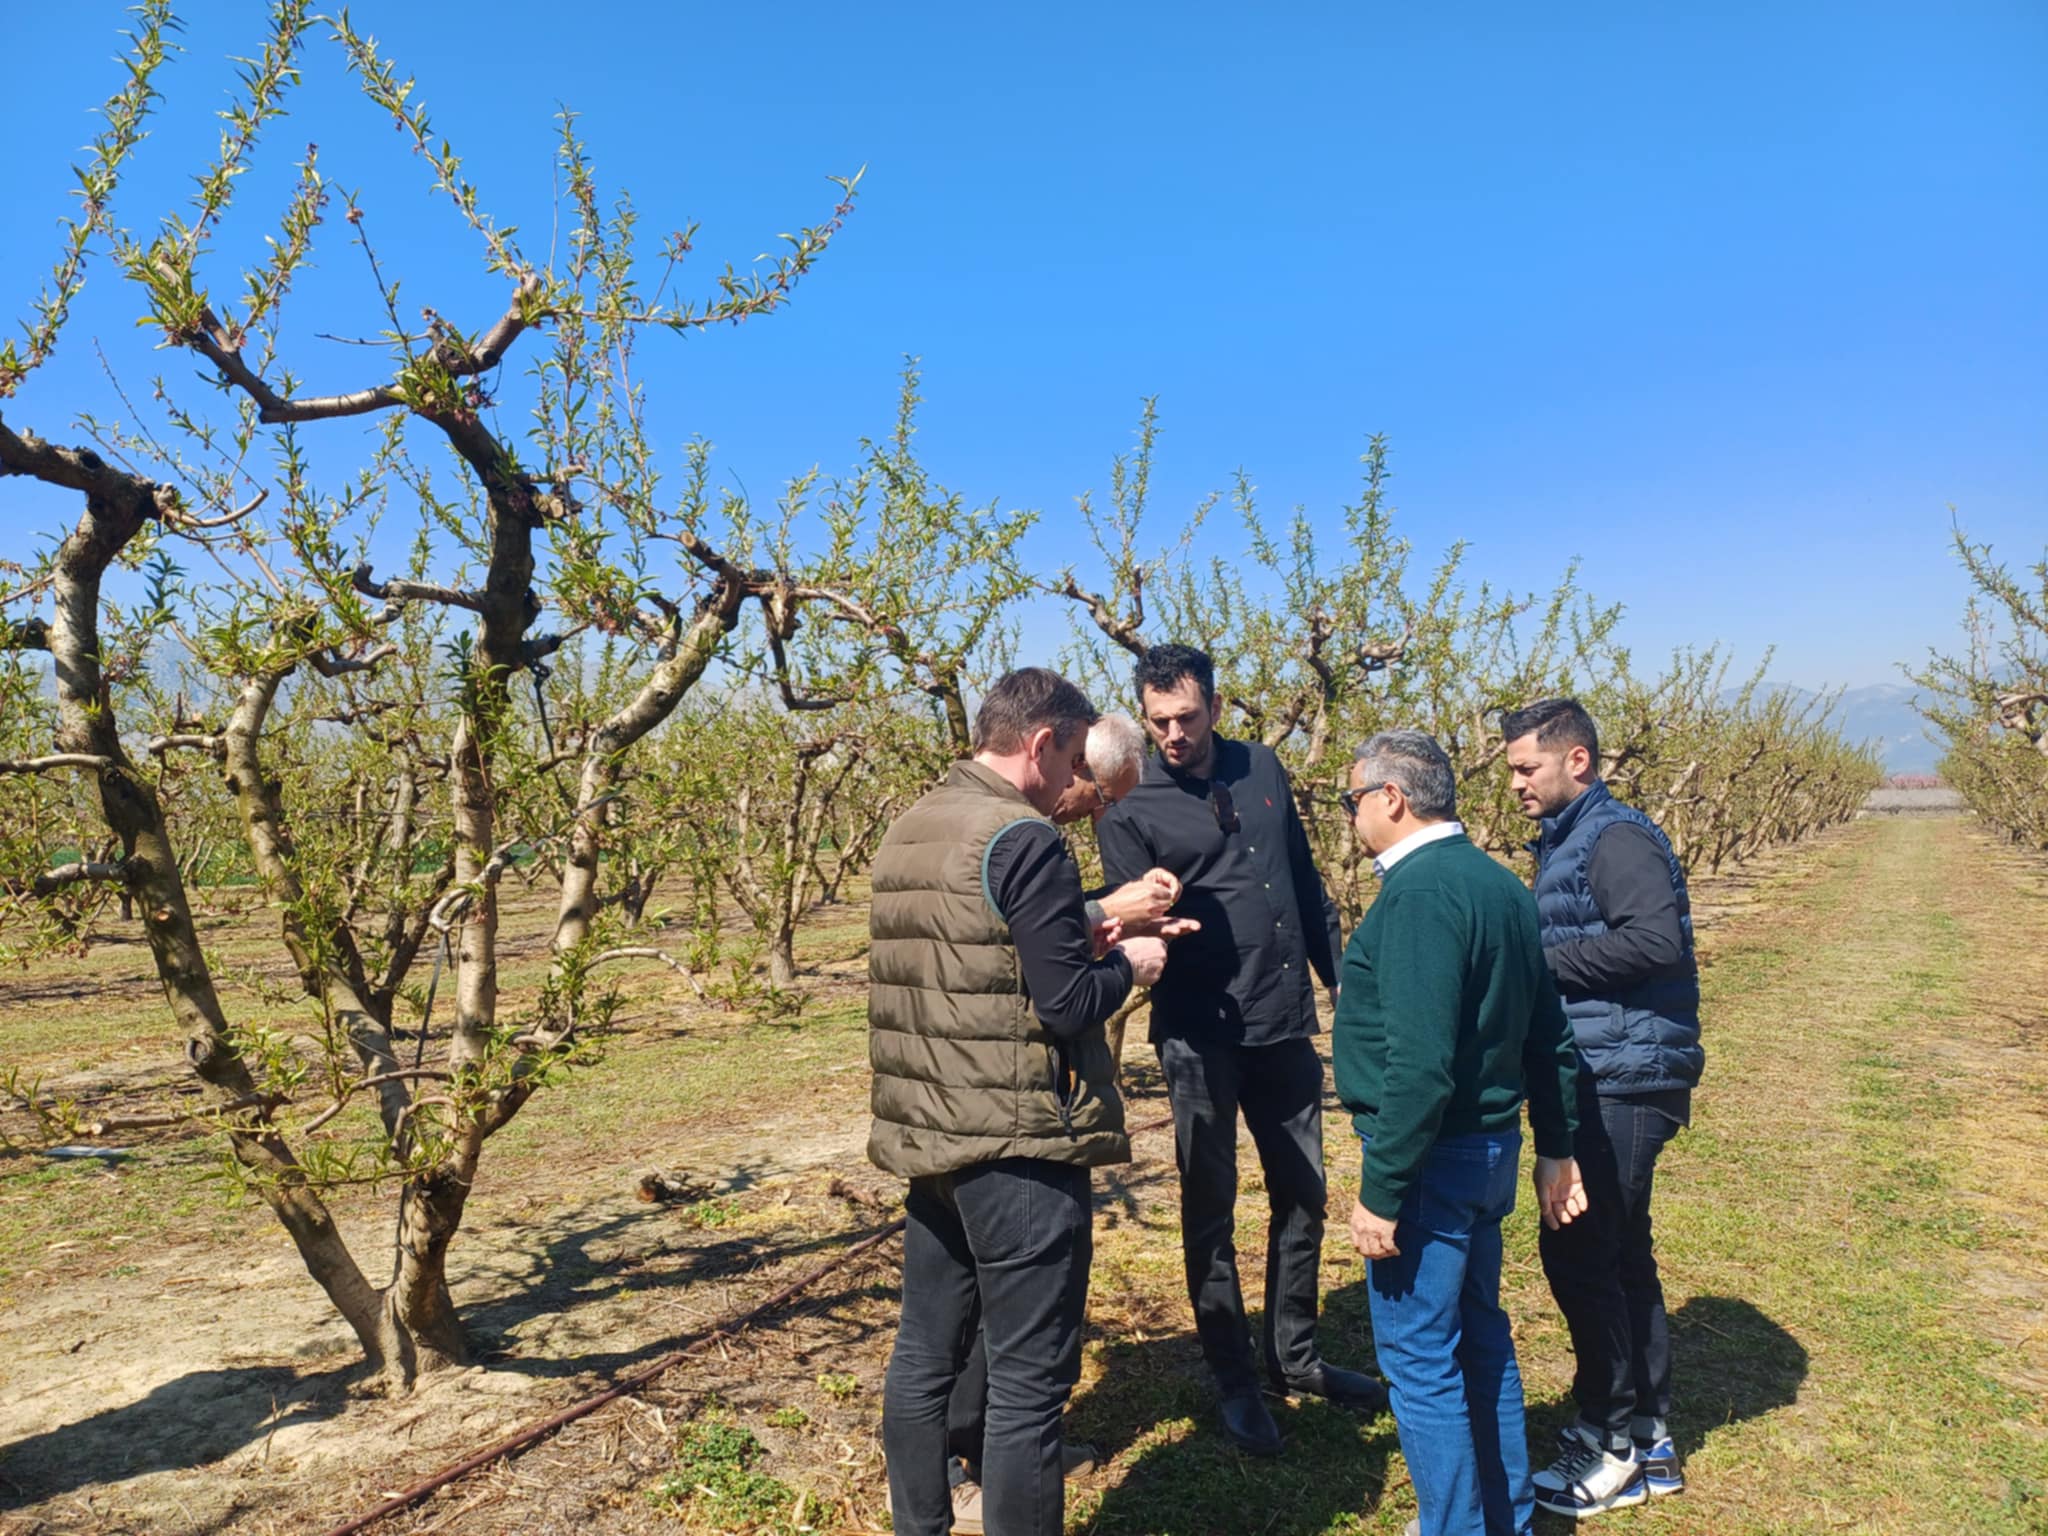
1232,1019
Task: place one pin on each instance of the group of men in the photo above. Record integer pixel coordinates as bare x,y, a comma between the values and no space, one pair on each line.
1459,998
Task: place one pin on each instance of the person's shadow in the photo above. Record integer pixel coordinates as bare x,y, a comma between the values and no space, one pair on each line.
1153,1406
1731,1362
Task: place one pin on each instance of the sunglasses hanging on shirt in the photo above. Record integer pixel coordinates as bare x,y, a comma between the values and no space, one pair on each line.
1224,807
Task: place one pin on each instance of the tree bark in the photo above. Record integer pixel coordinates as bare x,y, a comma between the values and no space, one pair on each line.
340,985
117,507
603,759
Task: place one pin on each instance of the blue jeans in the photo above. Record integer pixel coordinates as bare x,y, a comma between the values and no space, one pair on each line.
1444,1344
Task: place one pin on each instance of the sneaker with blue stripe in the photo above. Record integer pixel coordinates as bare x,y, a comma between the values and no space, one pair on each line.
1588,1478
1661,1472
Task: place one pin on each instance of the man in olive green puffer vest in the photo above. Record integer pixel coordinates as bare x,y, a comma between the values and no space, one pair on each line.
993,1095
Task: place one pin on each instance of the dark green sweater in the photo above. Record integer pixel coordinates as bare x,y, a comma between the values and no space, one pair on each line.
1448,1017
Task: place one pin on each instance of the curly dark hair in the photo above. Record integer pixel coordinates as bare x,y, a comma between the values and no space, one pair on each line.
1163,666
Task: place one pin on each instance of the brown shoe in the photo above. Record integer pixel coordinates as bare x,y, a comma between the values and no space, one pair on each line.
967,1509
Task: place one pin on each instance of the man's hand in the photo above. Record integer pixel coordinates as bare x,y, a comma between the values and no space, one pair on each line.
1374,1235
1560,1193
1147,957
1144,900
1104,936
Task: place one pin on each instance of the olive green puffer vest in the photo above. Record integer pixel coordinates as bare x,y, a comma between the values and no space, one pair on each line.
964,1072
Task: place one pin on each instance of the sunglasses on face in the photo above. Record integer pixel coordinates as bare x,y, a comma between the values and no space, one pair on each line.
1224,807
1351,799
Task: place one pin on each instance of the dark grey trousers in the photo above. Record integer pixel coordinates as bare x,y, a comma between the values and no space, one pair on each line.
1279,1089
1001,1248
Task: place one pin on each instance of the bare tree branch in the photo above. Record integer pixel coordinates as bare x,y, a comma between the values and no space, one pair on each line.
262,1102
208,338
1125,632
333,664
187,741
53,761
648,952
413,591
25,635
52,881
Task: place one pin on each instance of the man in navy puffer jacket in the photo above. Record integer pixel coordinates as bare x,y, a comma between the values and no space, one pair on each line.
1617,933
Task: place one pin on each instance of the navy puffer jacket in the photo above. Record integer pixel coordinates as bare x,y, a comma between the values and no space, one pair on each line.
1646,1038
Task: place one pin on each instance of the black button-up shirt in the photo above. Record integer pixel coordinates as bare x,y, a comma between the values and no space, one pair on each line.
1267,922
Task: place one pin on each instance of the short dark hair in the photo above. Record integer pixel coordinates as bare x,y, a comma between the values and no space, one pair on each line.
1556,722
1163,666
1026,701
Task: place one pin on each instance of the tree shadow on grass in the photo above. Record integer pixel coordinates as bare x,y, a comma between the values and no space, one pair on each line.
526,1324
190,1421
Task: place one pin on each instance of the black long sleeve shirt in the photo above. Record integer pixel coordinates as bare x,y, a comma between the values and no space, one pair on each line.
1631,882
1269,929
1033,883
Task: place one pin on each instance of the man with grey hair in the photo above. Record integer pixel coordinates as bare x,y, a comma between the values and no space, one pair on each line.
1114,758
1446,1021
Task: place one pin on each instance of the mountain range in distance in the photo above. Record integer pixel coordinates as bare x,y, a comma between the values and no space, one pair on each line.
1883,714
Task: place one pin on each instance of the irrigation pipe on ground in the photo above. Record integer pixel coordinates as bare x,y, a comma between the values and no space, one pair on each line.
519,1440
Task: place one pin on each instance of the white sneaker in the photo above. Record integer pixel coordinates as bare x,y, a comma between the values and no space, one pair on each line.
1588,1479
1662,1473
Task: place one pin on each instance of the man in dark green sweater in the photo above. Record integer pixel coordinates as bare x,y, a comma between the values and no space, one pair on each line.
1447,1020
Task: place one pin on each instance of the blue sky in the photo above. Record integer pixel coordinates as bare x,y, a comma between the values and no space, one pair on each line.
1733,302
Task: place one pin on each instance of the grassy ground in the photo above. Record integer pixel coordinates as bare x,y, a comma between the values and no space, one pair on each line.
1851,1239
1852,1236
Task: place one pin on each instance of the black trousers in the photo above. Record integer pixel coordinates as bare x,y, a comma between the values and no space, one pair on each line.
1001,1248
1279,1088
1602,1269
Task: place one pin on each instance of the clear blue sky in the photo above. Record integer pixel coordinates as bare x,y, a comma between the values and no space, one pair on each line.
1733,301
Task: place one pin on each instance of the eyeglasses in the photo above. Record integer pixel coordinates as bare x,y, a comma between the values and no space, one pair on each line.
1224,807
1350,799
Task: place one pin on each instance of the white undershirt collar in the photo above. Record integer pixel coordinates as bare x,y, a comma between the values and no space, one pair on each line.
1435,833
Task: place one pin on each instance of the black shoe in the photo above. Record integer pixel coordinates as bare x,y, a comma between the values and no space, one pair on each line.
1248,1423
1344,1389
